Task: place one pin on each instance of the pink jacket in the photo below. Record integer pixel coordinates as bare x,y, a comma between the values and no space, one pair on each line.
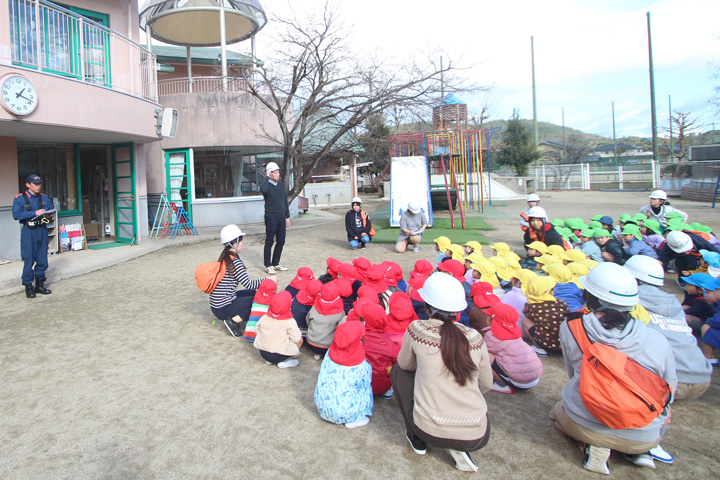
515,357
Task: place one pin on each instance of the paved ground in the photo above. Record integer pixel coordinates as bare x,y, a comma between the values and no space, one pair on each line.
120,373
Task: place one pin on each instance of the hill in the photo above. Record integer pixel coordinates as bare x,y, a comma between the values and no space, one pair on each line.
550,131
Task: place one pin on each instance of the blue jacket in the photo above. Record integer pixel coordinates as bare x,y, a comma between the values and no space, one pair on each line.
636,247
21,214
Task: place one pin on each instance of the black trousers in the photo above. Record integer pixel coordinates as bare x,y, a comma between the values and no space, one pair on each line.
403,382
273,358
275,230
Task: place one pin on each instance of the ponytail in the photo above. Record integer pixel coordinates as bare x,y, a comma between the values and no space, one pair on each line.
227,257
455,350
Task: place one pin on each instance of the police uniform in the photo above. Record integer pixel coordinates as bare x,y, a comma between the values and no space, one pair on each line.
33,238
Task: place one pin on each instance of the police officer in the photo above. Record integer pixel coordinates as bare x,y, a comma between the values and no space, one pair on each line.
29,209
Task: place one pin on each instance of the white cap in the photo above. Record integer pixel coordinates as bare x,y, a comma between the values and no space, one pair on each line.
679,242
271,167
230,233
659,194
611,283
356,200
537,212
414,206
533,197
443,292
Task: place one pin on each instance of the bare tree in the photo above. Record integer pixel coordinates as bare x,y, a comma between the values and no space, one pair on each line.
320,91
577,149
682,134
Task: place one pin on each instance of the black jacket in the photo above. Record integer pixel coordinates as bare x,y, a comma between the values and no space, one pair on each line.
351,225
549,237
686,262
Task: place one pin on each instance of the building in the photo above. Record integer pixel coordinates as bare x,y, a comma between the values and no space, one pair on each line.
94,113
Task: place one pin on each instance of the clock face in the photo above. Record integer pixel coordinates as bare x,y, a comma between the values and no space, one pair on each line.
18,95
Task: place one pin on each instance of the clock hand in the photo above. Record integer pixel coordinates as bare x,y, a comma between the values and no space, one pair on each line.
22,96
19,94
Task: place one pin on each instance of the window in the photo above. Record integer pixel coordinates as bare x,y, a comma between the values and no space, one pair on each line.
57,165
225,173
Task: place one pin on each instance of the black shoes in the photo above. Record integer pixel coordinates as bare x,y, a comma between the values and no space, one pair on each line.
233,327
418,445
40,287
29,291
363,245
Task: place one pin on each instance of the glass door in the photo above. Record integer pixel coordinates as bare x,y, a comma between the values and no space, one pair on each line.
125,204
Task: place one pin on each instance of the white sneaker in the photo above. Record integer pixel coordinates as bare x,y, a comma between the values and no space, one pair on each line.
360,423
280,268
596,459
389,394
289,363
268,363
416,250
541,352
641,460
659,454
317,356
463,462
502,388
270,270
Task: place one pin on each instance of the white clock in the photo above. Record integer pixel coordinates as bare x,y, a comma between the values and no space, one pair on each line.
18,95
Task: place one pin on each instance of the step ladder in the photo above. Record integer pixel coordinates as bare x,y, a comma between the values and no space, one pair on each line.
182,220
161,217
717,191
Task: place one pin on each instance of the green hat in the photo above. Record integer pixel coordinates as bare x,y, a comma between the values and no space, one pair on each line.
632,230
558,222
678,226
639,217
589,233
594,224
652,225
601,232
573,237
564,231
625,217
699,227
595,218
674,214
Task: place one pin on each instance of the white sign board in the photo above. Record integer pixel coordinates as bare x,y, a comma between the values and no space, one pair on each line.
409,180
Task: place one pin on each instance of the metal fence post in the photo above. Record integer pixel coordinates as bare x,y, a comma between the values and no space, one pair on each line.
544,178
620,176
654,178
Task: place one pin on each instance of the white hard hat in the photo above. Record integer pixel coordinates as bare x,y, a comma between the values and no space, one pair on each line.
271,167
611,283
537,212
660,194
646,269
533,197
356,200
230,233
679,242
414,206
443,292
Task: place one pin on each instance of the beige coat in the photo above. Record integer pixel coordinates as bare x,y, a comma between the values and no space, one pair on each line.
277,336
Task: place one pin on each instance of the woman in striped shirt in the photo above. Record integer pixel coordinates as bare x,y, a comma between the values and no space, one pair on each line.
226,301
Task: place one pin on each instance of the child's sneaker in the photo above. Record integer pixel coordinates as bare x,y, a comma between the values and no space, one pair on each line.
360,423
596,459
418,444
363,245
289,363
268,363
317,356
659,454
502,388
389,394
641,460
463,462
541,352
714,362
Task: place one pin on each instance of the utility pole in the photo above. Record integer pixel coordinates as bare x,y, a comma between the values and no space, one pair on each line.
656,156
672,147
563,125
614,141
535,124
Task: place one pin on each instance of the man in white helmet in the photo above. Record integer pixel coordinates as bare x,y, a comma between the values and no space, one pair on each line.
357,225
659,207
683,249
533,200
413,223
277,217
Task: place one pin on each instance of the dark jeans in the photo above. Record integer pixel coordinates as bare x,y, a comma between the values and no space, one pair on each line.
241,306
403,382
275,229
34,252
318,350
273,358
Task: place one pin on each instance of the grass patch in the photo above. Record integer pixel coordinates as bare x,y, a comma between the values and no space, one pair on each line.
442,227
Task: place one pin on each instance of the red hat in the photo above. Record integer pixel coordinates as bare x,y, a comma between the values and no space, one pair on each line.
304,275
361,265
348,272
333,265
328,301
344,287
455,268
504,324
307,294
375,279
482,294
393,273
347,348
280,306
401,312
423,268
265,292
369,294
374,316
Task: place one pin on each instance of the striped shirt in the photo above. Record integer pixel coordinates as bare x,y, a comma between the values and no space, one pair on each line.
224,293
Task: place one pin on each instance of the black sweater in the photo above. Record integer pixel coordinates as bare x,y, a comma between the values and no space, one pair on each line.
276,204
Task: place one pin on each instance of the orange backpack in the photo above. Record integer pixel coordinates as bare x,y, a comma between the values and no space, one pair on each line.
208,275
617,390
363,214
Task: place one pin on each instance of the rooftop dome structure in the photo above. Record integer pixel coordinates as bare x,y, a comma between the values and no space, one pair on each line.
451,113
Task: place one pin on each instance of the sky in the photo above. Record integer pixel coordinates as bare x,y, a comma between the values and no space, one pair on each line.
587,54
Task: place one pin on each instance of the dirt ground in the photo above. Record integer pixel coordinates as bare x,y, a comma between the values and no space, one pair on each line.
121,374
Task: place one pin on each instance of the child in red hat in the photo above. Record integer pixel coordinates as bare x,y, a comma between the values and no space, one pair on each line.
303,302
277,335
323,319
304,275
380,351
260,306
400,316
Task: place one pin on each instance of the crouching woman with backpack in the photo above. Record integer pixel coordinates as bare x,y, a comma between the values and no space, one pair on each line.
596,409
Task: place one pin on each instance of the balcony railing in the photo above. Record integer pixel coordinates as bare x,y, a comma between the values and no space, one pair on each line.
177,86
55,40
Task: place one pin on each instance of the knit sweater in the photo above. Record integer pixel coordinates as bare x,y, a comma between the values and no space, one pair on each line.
442,408
277,336
276,204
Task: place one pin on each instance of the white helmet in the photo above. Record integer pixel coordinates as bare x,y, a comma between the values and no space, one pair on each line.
679,242
533,197
414,206
611,283
444,292
356,200
230,233
660,194
537,212
271,167
646,269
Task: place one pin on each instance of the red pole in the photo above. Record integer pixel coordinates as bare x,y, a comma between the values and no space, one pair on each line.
457,192
447,190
